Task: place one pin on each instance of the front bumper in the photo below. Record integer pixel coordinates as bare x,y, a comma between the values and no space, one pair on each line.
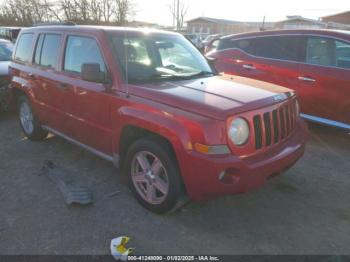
207,177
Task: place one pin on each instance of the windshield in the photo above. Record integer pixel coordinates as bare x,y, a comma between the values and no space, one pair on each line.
5,51
152,57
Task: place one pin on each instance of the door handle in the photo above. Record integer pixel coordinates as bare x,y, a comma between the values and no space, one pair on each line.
63,87
31,75
249,67
306,79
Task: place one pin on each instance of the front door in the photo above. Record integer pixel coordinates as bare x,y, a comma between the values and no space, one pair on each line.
88,112
273,59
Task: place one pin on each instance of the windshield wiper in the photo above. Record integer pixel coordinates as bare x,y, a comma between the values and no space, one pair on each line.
183,76
202,73
166,76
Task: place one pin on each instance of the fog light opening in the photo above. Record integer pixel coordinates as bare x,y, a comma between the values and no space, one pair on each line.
229,176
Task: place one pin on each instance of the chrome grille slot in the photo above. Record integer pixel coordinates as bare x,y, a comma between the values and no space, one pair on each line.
282,123
286,108
275,126
292,106
257,131
267,125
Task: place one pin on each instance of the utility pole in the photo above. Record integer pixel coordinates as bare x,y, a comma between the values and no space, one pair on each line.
174,14
263,25
178,16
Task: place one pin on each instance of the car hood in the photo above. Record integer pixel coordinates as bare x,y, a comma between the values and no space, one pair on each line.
4,68
217,97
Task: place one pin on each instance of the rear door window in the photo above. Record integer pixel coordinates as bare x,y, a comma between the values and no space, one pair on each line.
47,50
81,50
24,48
38,48
278,47
247,45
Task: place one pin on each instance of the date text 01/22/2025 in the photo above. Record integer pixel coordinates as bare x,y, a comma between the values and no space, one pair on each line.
173,258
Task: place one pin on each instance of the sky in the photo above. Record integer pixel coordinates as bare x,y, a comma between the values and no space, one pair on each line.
157,11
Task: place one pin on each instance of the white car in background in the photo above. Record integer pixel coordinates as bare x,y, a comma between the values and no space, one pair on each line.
196,39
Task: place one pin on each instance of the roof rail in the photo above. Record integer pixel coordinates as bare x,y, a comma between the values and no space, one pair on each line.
54,23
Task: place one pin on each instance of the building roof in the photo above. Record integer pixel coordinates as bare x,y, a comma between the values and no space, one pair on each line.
342,13
257,24
141,23
300,18
231,22
215,20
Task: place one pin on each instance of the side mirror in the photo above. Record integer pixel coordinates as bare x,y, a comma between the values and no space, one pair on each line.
91,72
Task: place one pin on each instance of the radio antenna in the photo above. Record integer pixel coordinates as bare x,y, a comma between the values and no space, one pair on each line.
125,42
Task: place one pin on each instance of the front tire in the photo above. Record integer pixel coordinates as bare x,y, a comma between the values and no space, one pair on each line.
153,175
29,122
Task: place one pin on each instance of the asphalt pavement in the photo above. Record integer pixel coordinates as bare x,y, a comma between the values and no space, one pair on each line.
304,211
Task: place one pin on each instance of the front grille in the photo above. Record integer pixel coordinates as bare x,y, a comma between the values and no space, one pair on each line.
274,126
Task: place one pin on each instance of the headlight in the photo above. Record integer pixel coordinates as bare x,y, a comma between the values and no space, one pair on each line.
239,131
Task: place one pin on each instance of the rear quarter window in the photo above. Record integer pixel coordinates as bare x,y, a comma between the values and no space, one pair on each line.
342,54
24,48
325,51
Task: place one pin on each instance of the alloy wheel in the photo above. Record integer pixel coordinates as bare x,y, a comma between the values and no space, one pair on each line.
26,118
149,177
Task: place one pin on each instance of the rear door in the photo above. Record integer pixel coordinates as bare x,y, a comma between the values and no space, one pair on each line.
45,74
325,78
35,67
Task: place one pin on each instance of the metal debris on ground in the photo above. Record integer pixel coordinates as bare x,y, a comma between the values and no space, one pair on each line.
73,194
118,249
113,194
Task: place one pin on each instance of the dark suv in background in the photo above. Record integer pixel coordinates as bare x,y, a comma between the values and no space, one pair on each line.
315,63
6,48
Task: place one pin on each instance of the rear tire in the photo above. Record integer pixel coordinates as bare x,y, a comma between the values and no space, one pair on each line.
153,175
29,122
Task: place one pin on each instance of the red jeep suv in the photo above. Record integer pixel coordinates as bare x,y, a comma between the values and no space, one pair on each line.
314,63
150,102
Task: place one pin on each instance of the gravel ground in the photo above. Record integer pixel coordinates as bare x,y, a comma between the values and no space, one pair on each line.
304,211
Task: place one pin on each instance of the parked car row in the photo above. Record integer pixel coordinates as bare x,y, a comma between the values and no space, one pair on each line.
150,103
9,33
195,39
203,41
6,48
314,63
